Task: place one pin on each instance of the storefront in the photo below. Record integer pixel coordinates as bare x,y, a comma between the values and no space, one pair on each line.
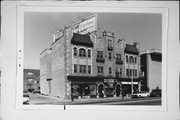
94,87
127,86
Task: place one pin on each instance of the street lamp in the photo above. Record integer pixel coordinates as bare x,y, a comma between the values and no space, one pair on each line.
132,82
131,73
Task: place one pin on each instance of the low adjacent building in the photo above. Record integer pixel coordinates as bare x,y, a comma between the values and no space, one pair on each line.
31,80
151,66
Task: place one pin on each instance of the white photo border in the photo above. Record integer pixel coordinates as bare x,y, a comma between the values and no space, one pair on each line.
71,7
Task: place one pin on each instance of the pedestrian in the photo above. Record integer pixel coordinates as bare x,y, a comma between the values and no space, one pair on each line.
123,94
72,95
72,99
103,93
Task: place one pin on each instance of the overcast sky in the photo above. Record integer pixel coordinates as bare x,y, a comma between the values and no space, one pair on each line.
145,28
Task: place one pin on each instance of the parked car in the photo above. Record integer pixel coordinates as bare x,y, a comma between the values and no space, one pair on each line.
141,94
36,91
25,91
155,93
26,99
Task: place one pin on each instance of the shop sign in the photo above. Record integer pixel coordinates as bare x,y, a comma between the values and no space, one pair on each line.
85,26
130,83
109,80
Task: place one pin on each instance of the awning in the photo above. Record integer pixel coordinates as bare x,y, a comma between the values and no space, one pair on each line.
83,40
132,49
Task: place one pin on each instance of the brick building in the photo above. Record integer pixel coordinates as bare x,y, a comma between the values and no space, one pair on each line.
151,66
89,64
31,80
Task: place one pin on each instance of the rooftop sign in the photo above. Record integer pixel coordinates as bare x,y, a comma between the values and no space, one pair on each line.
58,35
87,25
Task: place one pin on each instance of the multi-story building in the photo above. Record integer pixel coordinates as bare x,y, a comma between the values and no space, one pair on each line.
45,71
151,66
132,69
90,64
31,80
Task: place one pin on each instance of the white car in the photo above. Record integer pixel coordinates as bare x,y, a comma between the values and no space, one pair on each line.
26,99
142,94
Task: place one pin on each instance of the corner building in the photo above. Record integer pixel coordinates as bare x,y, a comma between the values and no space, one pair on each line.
91,65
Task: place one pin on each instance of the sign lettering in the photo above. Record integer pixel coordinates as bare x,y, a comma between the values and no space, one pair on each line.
109,80
88,25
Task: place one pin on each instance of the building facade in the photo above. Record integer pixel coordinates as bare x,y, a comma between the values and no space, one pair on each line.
151,66
91,65
31,80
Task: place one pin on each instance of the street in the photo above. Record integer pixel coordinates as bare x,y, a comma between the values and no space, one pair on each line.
38,99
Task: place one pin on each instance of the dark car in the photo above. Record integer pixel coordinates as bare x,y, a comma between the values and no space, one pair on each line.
155,93
36,91
26,99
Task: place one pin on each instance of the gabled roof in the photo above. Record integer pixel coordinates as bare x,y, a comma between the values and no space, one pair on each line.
83,40
132,49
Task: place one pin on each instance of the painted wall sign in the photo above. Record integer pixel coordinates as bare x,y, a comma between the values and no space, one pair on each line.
87,25
109,80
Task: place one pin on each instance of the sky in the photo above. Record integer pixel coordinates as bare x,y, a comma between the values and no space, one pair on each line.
145,28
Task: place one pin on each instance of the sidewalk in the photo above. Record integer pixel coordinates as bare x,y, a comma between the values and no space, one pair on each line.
54,100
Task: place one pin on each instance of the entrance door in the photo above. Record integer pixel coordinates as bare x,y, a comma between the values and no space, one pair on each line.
100,90
117,90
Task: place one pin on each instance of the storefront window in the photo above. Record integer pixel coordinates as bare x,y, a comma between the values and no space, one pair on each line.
86,90
92,89
75,90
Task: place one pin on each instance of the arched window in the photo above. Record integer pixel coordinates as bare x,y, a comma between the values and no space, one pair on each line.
75,51
82,52
89,53
131,59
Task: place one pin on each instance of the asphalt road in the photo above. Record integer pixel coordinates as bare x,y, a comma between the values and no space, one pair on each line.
40,99
136,102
